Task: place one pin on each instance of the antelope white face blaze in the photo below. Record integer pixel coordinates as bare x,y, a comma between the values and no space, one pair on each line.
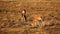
23,11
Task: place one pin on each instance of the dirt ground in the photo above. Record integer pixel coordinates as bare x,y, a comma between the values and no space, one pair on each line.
13,21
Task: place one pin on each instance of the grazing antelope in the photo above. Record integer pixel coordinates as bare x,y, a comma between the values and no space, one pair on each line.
35,20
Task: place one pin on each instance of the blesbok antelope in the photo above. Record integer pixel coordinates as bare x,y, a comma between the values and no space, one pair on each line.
24,15
38,21
35,20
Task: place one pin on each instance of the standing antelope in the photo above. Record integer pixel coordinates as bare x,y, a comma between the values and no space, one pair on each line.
24,15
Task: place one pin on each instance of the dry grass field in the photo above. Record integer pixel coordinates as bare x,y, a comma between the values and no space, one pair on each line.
13,21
